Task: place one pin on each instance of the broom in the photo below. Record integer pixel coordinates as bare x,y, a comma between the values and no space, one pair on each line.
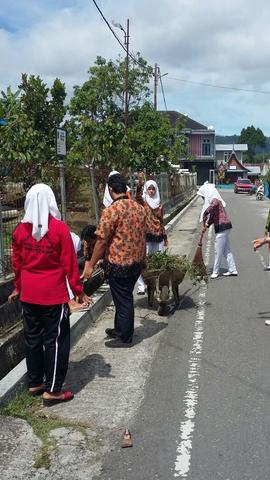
198,259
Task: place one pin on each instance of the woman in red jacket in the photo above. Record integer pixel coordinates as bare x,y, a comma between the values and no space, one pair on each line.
43,257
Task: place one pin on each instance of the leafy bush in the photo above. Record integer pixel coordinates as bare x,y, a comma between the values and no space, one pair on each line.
165,261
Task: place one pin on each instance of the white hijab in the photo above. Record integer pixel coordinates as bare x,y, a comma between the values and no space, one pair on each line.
209,192
39,204
107,199
153,202
76,241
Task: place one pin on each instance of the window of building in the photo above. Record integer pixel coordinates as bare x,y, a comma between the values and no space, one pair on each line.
206,147
226,156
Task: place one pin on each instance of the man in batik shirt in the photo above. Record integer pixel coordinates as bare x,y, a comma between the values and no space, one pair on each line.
121,240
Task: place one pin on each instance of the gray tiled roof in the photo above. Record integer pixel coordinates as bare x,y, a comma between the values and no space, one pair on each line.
188,122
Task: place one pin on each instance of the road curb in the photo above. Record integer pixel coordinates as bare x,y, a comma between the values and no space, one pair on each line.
176,219
14,381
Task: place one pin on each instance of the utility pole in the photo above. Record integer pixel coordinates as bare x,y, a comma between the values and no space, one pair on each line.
155,85
61,150
126,43
126,32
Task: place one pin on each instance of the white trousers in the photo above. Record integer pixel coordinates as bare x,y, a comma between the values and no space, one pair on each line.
223,249
151,247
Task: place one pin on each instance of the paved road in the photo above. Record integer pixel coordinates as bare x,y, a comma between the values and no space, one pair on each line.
205,412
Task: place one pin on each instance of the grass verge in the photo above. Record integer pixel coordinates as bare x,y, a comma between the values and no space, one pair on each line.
29,409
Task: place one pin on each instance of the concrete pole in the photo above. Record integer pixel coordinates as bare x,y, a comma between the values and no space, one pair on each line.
63,189
2,275
94,191
126,74
155,85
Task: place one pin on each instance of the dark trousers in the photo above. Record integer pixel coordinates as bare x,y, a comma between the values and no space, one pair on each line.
122,295
47,344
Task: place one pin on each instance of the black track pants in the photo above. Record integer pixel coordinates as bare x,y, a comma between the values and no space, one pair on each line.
47,344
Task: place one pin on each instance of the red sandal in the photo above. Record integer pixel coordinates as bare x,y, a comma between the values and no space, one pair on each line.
66,397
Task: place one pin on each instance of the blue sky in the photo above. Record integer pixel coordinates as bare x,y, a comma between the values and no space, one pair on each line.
214,42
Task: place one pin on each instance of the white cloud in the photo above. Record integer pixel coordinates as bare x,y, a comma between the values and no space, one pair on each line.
225,43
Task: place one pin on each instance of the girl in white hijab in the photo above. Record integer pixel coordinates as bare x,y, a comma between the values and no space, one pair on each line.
43,256
208,191
107,199
156,237
213,212
39,204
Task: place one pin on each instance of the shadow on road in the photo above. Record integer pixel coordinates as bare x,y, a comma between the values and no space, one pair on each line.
147,329
84,371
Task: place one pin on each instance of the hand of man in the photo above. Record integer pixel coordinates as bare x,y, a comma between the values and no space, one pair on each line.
87,271
13,296
259,242
84,299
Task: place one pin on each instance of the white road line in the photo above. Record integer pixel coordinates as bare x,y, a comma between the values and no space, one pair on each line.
187,426
262,259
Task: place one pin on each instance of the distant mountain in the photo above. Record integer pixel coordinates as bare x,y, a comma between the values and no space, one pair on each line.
230,139
227,139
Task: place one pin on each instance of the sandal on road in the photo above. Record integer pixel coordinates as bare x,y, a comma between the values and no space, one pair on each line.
126,439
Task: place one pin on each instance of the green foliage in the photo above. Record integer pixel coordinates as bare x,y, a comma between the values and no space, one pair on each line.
166,262
152,141
101,96
27,143
96,131
266,177
253,137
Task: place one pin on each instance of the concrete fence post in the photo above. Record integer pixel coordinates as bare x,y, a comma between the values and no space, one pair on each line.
2,273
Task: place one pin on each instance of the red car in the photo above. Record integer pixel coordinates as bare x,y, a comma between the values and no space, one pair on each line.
243,185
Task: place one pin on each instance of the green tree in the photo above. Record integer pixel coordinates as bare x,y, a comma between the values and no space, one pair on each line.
97,123
27,143
97,120
153,143
253,137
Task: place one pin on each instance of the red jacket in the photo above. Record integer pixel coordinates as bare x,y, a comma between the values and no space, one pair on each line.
41,268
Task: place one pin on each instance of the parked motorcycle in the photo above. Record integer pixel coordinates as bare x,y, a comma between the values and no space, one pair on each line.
260,193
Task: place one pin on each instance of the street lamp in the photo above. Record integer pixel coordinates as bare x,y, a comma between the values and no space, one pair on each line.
126,42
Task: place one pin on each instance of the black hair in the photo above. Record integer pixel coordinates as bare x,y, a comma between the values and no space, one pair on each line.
88,232
118,183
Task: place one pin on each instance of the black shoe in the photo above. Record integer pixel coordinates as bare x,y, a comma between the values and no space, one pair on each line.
111,332
119,343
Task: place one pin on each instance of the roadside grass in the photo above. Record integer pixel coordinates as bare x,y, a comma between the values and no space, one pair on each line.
29,409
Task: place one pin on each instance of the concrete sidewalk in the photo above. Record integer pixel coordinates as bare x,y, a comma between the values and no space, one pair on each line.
108,384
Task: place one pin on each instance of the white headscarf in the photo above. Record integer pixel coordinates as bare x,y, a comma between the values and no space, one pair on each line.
39,204
209,192
153,202
76,241
107,199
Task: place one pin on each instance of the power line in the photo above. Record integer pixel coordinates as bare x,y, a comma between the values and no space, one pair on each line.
204,84
127,50
114,34
219,86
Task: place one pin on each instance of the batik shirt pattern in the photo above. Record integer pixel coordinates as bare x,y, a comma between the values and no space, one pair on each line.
122,226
